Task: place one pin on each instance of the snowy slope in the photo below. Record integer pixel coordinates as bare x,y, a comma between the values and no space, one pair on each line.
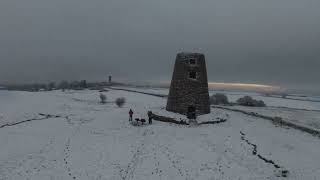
97,142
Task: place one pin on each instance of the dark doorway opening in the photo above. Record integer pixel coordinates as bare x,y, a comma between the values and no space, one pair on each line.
191,113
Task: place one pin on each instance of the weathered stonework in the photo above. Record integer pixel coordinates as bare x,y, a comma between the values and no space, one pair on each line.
189,85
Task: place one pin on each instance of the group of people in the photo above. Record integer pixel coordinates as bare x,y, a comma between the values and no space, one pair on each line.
131,116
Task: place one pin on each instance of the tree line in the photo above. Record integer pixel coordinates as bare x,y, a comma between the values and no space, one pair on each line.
63,85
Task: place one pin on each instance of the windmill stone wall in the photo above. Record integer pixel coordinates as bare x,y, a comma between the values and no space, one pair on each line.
189,85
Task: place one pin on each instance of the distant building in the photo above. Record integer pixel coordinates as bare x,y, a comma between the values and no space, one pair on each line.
189,86
83,84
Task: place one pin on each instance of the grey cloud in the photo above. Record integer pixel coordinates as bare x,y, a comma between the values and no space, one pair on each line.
273,42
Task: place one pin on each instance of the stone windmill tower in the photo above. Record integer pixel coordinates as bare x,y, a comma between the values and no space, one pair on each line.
189,85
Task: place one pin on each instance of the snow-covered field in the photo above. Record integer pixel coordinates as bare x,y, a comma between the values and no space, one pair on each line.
305,112
309,118
92,141
280,102
308,102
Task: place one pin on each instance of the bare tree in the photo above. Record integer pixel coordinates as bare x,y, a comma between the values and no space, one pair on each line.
120,101
103,98
219,98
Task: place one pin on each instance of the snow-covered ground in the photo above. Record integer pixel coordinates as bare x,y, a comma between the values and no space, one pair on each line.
281,102
19,106
295,102
92,141
306,113
309,118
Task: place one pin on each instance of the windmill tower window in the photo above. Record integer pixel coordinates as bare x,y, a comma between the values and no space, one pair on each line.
192,61
193,75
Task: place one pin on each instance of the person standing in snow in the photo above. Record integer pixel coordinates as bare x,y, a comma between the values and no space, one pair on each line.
130,115
150,117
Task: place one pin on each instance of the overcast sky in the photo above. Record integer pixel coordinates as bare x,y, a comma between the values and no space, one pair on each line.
251,41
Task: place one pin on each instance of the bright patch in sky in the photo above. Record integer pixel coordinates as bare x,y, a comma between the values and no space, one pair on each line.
244,86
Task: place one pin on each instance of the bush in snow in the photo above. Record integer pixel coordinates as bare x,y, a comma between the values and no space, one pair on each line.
103,98
260,103
120,101
249,101
219,98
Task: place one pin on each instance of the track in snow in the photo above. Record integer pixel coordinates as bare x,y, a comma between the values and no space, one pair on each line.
284,173
136,159
46,116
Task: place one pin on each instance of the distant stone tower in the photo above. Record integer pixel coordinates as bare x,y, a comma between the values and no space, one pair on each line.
189,85
110,79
